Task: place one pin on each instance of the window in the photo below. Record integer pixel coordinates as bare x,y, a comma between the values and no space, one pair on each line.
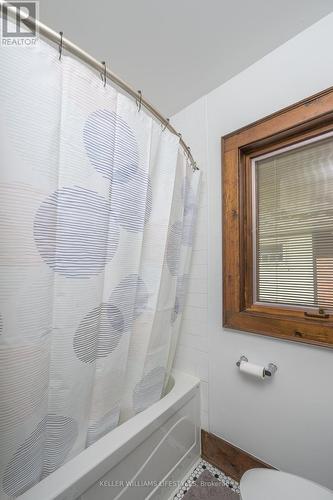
293,193
278,224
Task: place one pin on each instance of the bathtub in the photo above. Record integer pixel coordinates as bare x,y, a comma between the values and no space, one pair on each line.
143,458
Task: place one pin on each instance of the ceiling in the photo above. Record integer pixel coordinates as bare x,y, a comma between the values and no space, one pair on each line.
179,50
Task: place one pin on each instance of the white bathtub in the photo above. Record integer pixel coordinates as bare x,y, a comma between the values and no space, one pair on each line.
142,458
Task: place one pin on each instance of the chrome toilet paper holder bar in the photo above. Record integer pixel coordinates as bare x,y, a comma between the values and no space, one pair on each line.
269,371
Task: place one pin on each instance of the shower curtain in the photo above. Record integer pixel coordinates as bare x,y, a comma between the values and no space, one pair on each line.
97,210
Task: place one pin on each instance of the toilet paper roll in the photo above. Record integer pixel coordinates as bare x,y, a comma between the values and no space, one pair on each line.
256,371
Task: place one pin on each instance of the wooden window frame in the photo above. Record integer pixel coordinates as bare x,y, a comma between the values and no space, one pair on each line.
305,120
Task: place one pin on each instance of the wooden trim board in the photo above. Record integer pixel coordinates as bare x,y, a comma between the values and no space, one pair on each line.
309,119
231,460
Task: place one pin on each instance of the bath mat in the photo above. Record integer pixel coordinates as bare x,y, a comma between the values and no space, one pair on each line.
207,486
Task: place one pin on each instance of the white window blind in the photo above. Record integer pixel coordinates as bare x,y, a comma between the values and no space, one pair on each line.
294,226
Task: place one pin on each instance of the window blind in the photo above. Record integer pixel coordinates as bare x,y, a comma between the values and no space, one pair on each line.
294,226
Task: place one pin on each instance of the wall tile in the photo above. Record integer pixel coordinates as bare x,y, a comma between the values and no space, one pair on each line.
204,421
192,351
204,396
190,341
192,361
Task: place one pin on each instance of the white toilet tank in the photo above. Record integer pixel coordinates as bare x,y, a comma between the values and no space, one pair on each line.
265,484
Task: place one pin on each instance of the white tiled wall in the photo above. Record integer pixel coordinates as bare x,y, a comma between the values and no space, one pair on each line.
192,351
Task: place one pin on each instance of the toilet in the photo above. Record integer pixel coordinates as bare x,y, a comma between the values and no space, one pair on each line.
266,484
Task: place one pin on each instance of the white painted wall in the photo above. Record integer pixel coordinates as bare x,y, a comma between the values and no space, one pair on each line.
288,421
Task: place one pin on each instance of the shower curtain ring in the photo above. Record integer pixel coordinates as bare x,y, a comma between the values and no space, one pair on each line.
166,123
60,44
139,102
103,75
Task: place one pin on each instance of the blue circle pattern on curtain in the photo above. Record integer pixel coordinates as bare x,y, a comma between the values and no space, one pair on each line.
113,151
181,231
148,390
131,297
190,208
111,145
131,202
173,247
99,333
76,230
104,425
181,288
40,454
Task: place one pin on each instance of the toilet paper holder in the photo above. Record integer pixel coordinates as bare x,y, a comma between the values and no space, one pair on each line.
269,371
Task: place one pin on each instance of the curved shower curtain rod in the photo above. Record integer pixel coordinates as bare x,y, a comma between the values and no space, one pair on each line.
65,44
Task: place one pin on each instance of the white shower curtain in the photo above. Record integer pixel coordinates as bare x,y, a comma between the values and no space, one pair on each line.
97,209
